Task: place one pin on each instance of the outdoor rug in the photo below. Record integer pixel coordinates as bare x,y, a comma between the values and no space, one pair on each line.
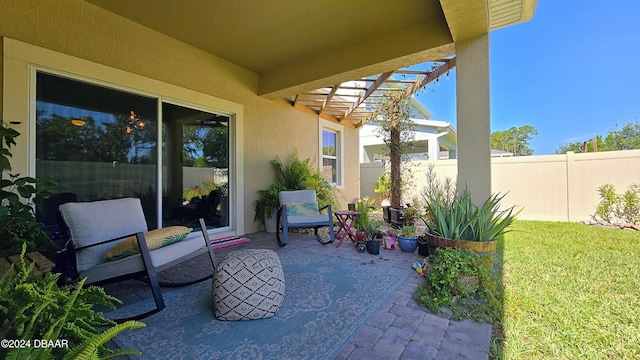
227,241
327,301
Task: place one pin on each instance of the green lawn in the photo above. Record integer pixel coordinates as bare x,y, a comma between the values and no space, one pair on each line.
571,291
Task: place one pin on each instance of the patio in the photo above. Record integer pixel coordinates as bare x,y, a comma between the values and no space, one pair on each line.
402,329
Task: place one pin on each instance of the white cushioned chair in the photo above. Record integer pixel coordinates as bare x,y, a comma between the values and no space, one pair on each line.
95,227
299,209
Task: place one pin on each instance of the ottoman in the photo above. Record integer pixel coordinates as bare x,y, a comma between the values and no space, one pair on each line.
248,284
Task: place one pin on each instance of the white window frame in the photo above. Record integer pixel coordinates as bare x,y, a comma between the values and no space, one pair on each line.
325,125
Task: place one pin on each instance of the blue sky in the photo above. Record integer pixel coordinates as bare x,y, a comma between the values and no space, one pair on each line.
572,72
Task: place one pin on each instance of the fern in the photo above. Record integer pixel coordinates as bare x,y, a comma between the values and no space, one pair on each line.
32,306
89,348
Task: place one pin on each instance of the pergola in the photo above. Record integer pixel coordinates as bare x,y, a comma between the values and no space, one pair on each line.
306,52
351,103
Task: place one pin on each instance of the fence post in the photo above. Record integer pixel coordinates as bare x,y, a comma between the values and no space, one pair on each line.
570,158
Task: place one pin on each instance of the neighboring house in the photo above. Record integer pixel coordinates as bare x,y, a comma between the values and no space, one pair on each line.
433,140
500,153
149,98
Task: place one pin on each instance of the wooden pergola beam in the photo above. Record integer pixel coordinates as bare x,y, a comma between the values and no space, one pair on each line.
333,91
432,76
311,111
376,84
435,74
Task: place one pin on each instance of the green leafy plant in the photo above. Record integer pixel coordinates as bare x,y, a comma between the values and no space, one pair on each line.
383,186
267,204
606,209
408,231
412,213
32,307
618,208
459,280
293,174
460,218
373,230
363,206
630,207
19,197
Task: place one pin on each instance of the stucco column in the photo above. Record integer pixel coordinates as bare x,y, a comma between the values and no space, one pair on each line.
474,130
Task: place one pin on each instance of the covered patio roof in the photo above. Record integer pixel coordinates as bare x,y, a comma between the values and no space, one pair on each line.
307,54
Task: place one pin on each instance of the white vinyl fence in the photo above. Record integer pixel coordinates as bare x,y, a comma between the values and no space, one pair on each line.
547,187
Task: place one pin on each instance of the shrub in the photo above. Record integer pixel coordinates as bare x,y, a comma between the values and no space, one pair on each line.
383,186
616,208
459,280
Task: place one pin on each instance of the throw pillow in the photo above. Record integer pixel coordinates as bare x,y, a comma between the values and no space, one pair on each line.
155,239
302,209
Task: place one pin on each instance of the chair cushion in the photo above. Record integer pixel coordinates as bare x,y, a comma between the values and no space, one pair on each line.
93,222
322,219
302,208
161,258
302,196
155,239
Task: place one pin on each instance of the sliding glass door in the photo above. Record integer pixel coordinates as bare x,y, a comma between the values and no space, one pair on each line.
98,142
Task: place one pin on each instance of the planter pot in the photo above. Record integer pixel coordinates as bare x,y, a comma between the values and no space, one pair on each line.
423,248
270,225
483,248
386,214
389,242
407,244
373,247
396,217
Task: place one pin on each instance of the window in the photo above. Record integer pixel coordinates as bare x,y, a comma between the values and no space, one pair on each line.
103,143
331,152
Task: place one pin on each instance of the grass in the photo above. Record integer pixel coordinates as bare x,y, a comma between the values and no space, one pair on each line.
571,291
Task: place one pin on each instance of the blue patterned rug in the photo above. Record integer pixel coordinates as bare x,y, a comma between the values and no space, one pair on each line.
327,301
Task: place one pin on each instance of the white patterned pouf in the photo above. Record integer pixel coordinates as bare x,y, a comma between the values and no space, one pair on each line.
248,284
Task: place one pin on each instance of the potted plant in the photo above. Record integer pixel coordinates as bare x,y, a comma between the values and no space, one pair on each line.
459,223
407,239
266,207
293,174
423,246
374,236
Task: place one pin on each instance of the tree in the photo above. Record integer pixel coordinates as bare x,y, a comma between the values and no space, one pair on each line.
514,140
626,138
579,147
393,114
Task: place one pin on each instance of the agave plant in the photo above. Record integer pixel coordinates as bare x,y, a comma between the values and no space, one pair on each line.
460,218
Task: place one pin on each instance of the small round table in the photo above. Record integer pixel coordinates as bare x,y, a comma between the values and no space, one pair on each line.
346,220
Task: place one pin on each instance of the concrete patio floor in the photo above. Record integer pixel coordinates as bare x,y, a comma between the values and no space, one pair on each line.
400,329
